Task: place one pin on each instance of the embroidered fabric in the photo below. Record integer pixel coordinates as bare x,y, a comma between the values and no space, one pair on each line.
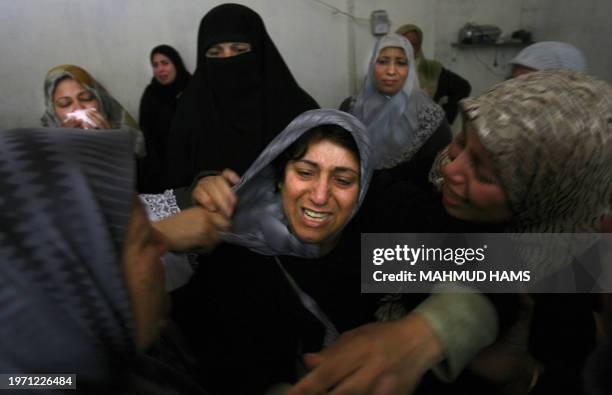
429,119
160,206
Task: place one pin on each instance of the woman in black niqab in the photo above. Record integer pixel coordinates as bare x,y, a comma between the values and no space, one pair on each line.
234,106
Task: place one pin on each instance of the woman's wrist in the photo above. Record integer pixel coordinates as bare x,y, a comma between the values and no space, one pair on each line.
415,328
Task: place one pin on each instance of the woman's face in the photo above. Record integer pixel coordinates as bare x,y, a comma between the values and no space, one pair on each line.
144,276
163,69
69,96
413,37
472,191
320,191
390,70
518,70
227,49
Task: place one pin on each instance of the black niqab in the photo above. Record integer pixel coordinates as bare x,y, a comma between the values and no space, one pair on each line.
233,107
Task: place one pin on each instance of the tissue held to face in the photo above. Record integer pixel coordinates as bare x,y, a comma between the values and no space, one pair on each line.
320,190
69,96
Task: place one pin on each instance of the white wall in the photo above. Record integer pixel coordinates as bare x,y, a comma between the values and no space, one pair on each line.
586,25
112,39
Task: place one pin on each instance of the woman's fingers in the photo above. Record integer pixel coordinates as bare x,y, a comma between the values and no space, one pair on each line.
215,193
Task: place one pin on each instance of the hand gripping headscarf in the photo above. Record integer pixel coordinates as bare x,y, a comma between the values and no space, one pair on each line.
549,134
109,107
259,222
64,208
398,125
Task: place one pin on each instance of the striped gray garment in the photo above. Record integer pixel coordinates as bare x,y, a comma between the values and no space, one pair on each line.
65,203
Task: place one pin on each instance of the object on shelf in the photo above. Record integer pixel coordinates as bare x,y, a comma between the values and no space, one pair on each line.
472,33
522,35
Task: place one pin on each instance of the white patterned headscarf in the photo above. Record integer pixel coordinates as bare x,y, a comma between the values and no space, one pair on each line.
549,135
396,123
548,55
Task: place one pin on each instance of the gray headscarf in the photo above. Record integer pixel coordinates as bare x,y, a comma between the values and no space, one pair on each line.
398,125
259,222
548,55
64,208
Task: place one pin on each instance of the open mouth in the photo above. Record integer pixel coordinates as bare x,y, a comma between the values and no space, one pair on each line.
315,217
450,198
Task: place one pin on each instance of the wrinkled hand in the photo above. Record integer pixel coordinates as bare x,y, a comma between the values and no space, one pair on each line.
507,362
381,358
215,193
193,228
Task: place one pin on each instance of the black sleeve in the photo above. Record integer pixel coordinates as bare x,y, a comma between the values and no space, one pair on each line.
346,104
454,88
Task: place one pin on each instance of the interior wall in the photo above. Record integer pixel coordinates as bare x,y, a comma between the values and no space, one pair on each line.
587,26
112,40
482,66
327,51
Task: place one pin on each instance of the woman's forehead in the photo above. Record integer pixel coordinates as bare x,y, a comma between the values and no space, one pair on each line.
326,152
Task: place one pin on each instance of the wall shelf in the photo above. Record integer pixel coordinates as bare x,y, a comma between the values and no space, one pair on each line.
511,44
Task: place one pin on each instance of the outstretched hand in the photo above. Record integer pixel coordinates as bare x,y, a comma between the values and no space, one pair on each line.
380,358
193,228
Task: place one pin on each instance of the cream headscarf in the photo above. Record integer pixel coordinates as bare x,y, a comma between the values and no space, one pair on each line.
549,134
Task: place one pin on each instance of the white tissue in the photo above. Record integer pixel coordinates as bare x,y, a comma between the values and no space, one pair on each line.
83,116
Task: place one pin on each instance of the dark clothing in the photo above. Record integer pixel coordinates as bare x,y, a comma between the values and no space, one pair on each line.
233,106
157,107
453,87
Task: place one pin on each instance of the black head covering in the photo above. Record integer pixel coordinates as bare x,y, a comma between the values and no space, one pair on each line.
233,107
64,208
157,108
182,75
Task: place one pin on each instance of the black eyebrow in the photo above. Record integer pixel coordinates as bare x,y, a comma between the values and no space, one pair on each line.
337,169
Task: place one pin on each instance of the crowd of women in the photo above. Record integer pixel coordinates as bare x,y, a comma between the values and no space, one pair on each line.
259,200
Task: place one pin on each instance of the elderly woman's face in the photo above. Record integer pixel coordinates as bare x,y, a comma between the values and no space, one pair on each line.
390,70
472,191
227,49
144,276
163,69
69,96
320,191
